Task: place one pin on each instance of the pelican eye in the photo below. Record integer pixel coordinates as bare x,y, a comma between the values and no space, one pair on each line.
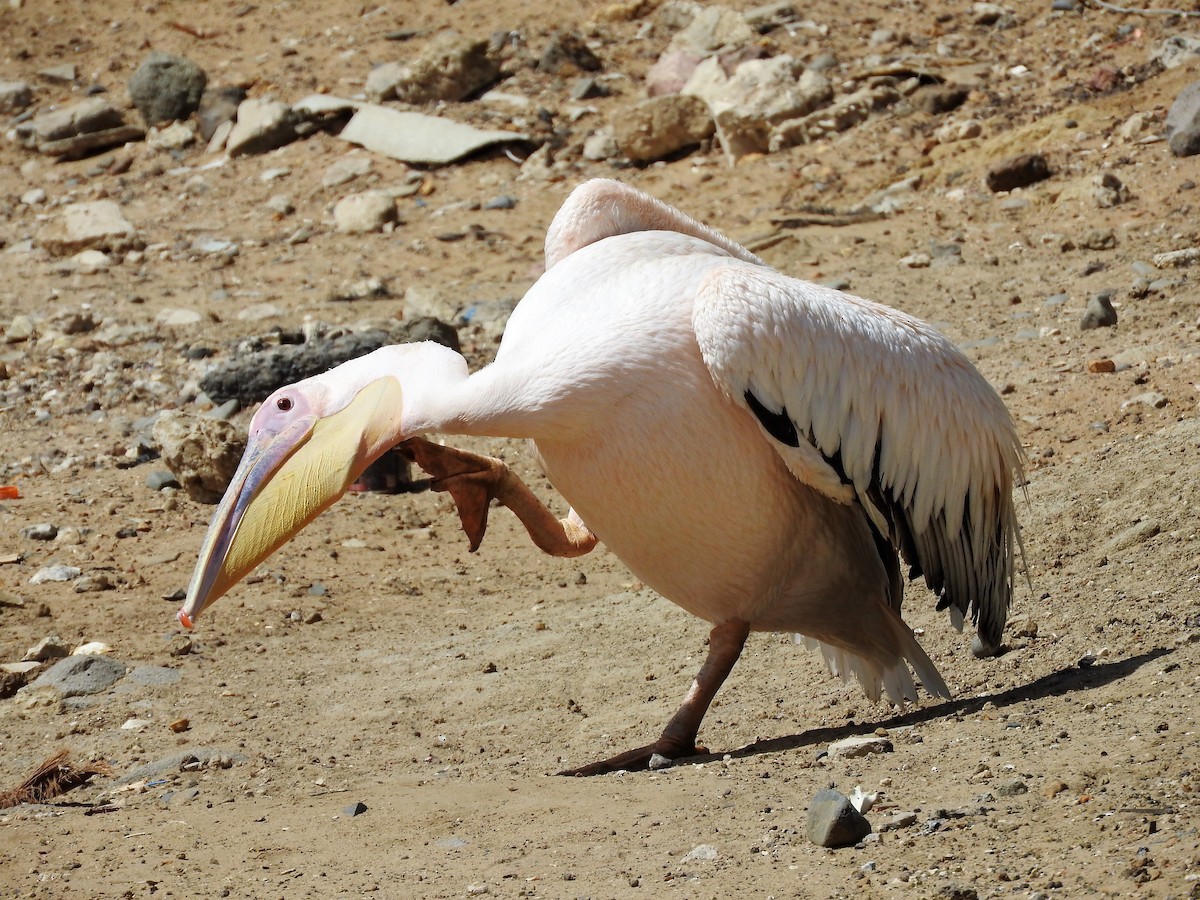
284,404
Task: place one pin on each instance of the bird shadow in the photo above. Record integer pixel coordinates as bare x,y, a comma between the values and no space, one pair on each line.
1053,684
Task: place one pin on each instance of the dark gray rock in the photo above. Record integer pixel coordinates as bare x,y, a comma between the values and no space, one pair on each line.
250,378
834,822
1099,312
1012,788
161,478
1183,122
166,87
77,675
1017,171
355,809
218,105
185,761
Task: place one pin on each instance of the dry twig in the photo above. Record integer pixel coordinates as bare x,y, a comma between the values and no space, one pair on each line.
55,776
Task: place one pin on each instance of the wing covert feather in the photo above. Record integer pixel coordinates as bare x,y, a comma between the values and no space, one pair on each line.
889,413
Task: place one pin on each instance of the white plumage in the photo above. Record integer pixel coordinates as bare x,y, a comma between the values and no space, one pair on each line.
756,448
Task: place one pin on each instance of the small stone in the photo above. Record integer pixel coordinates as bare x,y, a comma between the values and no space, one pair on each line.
180,725
160,479
48,648
175,136
1053,788
345,170
55,573
64,73
43,531
280,204
450,67
1017,171
860,745
202,453
359,289
166,87
705,852
218,106
1183,122
355,809
658,761
1102,366
1177,258
15,97
98,224
1099,312
261,125
95,582
91,648
662,126
833,822
364,213
1011,788
504,201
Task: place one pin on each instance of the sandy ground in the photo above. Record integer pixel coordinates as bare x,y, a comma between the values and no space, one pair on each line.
444,689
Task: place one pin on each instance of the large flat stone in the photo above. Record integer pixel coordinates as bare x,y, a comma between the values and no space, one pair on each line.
99,224
417,138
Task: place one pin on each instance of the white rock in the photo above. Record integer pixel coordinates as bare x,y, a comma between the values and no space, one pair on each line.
33,197
705,852
261,125
55,573
91,648
859,745
417,138
135,724
365,212
98,224
174,137
90,261
345,170
177,317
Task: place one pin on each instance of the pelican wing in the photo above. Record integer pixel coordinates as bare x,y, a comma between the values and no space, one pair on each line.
873,406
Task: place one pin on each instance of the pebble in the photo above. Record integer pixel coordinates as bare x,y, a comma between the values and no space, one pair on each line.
15,97
160,479
201,453
1176,258
354,809
91,648
345,170
48,648
1103,366
705,852
662,126
1011,788
43,531
450,67
1183,122
218,106
859,745
55,573
365,212
1099,312
833,822
261,125
1017,171
98,224
504,201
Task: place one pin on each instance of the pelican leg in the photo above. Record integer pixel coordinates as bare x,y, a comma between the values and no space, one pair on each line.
473,481
725,643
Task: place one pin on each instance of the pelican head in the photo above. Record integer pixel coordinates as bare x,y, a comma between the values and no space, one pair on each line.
307,444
